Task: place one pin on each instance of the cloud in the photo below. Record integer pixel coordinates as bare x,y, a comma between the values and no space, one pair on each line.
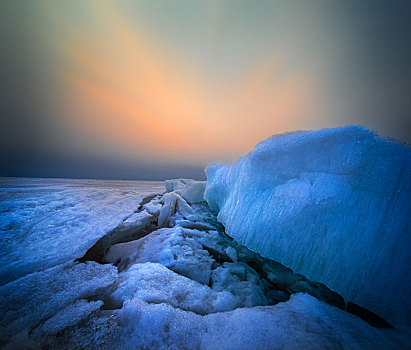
133,91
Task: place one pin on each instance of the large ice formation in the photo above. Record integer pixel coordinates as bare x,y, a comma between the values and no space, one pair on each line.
334,205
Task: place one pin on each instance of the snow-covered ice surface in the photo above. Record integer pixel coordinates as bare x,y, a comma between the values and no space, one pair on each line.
183,284
334,205
46,222
301,323
32,299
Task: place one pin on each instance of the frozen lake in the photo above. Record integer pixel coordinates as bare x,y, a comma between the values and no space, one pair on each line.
46,222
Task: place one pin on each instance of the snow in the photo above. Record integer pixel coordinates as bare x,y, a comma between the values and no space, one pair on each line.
334,205
46,222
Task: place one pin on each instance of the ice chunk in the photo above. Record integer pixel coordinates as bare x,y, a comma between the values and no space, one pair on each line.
176,184
34,298
154,283
135,222
153,208
333,205
173,203
70,316
168,209
241,280
232,253
174,248
183,208
194,225
193,192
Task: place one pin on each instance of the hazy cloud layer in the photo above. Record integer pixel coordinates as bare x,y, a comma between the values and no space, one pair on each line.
147,84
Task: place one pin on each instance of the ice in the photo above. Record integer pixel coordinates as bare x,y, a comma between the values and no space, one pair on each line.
174,248
136,222
333,205
70,316
240,280
301,323
153,208
168,209
176,184
173,203
232,253
46,222
29,300
154,283
192,191
188,285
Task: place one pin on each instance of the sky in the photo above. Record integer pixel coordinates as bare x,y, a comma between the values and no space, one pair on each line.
159,89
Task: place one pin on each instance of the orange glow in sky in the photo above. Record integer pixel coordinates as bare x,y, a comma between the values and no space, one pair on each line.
137,94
